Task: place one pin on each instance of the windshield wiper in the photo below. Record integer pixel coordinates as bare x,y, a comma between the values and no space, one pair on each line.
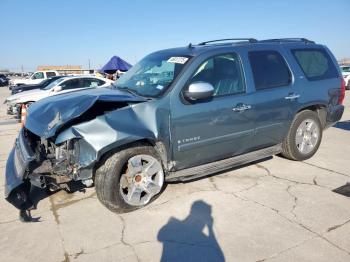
127,89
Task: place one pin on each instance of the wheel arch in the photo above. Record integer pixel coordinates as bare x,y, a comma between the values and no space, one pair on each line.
159,146
319,108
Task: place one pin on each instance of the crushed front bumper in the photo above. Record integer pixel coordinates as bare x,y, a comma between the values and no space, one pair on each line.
17,163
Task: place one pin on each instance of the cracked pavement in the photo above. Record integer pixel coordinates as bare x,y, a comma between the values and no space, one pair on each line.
271,210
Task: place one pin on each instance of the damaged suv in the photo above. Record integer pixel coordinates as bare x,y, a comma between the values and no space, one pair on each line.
177,115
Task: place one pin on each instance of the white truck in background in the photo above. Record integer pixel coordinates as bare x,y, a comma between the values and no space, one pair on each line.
36,78
345,70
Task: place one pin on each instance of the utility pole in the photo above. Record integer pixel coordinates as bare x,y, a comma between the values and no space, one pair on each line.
89,64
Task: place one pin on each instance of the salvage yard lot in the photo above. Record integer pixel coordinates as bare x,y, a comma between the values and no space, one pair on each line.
273,210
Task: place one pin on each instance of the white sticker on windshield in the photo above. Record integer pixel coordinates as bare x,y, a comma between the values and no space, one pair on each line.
177,59
160,87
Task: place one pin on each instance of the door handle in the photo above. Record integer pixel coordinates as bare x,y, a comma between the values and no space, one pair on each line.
292,96
241,108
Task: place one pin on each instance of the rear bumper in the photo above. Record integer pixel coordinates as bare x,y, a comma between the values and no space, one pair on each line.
334,114
17,163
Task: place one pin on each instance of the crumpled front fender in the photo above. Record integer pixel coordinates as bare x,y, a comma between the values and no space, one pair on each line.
109,131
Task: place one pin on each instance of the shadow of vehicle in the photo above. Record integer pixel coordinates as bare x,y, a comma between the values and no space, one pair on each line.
37,194
345,125
186,240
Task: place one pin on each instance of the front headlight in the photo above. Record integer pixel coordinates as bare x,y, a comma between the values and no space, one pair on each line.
12,102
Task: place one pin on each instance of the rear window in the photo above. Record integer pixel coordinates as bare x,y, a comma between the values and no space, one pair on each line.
345,69
315,63
269,69
50,74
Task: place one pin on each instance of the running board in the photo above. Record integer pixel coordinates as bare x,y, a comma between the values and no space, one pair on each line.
215,167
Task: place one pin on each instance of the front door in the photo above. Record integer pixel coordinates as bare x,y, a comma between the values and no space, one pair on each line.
36,78
205,131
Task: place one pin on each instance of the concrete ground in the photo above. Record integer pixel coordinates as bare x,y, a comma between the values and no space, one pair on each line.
275,210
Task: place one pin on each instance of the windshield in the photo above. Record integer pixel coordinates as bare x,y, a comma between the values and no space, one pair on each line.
152,75
54,83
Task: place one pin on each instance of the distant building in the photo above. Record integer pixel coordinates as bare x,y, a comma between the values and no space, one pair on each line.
4,71
344,61
66,70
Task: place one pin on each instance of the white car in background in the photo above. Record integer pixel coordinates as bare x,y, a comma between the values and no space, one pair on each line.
60,86
345,70
36,78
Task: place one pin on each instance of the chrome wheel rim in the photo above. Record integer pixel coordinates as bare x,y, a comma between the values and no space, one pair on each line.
307,136
142,180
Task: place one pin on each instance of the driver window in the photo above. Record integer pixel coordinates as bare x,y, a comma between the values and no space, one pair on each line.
70,84
38,75
223,72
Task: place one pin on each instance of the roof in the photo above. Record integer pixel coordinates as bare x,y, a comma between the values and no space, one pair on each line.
196,49
82,76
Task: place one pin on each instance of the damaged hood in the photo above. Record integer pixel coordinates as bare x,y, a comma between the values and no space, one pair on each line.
49,114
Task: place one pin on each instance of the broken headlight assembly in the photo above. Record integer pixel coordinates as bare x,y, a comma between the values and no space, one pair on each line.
55,164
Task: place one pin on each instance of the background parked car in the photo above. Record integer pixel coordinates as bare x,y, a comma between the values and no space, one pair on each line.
4,81
59,86
43,84
36,78
345,70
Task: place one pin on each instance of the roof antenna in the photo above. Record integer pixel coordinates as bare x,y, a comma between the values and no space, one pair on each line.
190,45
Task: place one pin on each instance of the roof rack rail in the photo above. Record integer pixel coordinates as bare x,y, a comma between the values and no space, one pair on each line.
250,40
296,39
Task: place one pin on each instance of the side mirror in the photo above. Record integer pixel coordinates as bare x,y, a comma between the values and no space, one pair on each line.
199,91
57,89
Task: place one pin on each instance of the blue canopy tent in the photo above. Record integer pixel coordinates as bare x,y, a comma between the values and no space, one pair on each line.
114,64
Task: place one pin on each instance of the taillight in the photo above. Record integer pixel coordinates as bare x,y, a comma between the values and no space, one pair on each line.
342,92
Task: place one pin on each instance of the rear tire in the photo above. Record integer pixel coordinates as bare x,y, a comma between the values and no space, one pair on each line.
304,136
124,181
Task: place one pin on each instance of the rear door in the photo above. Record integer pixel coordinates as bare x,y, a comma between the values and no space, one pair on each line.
276,96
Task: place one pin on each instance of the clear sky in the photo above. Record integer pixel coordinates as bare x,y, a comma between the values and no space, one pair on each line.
61,32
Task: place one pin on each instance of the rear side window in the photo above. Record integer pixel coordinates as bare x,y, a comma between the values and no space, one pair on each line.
269,69
50,74
315,63
92,82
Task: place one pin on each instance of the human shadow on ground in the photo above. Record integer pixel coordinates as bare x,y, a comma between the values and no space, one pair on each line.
345,125
186,240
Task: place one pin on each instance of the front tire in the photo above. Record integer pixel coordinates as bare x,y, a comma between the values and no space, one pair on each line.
130,179
304,136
